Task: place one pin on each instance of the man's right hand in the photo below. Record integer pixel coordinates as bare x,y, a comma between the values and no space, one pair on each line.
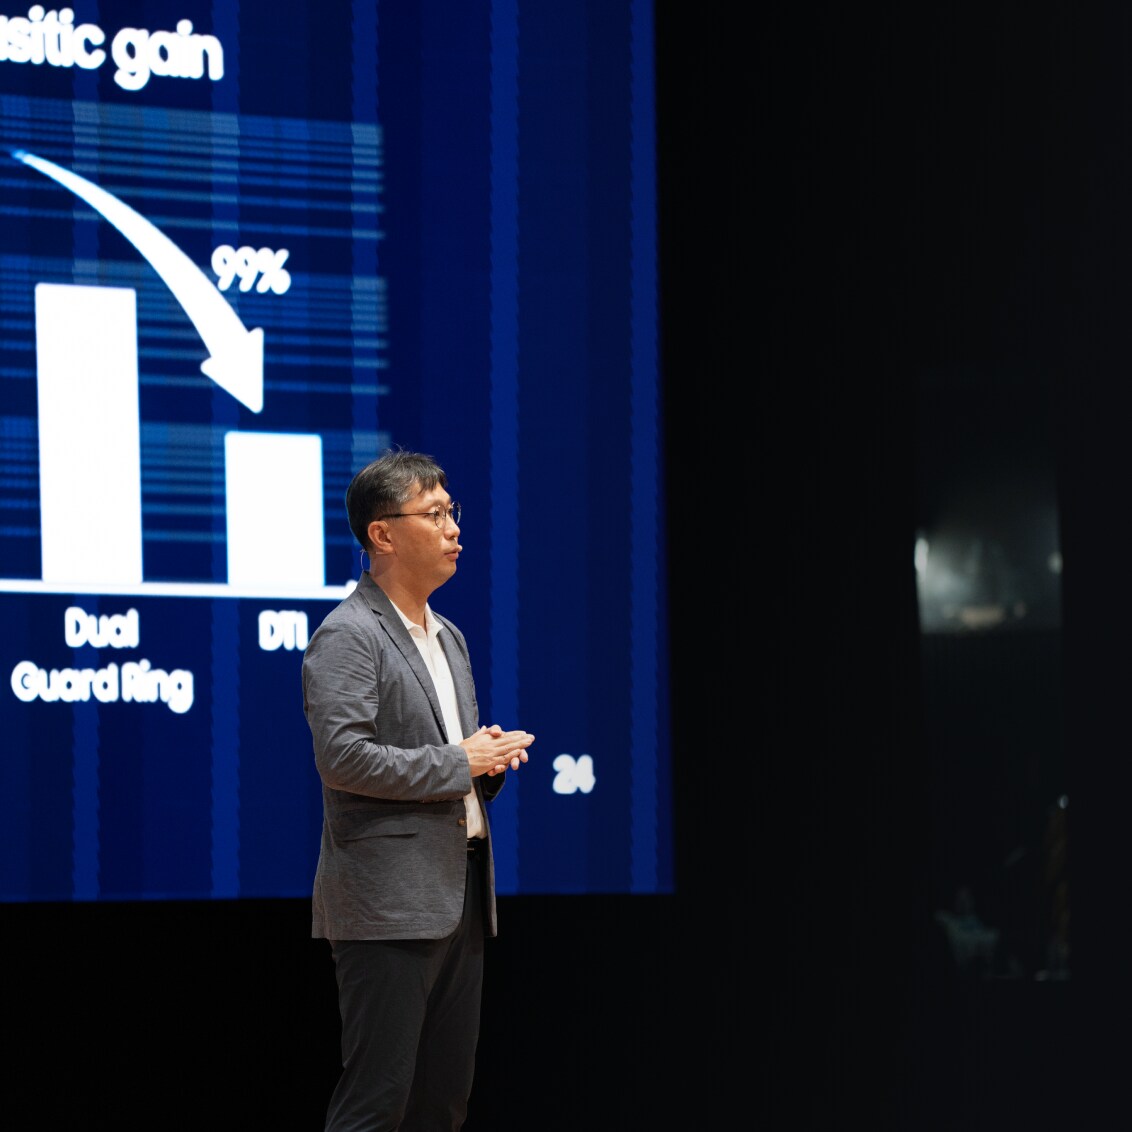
491,749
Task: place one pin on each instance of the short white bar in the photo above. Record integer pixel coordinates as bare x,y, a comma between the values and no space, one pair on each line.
273,494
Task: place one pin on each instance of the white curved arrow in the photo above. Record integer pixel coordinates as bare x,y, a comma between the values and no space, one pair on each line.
235,359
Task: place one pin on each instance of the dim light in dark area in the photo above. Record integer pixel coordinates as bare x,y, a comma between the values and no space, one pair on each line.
988,572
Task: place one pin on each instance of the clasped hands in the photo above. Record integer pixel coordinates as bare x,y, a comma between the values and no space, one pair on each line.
491,749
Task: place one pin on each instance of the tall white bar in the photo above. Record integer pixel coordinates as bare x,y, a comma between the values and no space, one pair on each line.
89,434
273,495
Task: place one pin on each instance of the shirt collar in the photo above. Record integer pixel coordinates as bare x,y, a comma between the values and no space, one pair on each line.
432,626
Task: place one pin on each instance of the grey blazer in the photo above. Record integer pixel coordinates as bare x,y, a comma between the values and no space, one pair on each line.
392,861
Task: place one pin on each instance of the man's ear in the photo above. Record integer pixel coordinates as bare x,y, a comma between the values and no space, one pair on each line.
378,533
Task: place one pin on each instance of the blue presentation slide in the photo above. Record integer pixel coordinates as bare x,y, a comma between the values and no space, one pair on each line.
244,248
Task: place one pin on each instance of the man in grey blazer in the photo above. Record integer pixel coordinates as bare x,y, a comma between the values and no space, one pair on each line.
405,884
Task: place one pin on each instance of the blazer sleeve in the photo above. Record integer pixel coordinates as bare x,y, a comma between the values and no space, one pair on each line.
373,728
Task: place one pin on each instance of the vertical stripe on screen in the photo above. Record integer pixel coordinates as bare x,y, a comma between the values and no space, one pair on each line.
646,472
85,804
225,749
505,417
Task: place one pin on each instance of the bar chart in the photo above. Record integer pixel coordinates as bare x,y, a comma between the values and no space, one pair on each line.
106,496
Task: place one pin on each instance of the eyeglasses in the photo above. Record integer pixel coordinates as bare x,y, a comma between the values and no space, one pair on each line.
438,515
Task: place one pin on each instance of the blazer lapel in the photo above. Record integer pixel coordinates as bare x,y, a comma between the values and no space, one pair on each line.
461,678
394,627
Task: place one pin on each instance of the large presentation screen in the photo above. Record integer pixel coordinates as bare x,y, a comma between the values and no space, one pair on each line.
245,247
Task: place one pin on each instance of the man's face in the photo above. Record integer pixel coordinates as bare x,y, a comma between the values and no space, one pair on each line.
424,551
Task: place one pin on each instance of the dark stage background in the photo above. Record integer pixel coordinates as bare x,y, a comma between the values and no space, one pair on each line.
883,233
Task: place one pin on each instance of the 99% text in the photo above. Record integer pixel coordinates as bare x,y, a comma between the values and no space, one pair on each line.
247,264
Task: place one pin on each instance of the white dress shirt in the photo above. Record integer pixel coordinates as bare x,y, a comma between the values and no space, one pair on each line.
437,663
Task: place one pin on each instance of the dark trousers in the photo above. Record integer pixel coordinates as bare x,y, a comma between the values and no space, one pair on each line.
410,1022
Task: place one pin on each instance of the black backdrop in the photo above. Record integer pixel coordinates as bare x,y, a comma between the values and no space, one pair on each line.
847,200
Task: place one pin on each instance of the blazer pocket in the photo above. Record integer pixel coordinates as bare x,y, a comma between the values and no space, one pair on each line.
358,825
